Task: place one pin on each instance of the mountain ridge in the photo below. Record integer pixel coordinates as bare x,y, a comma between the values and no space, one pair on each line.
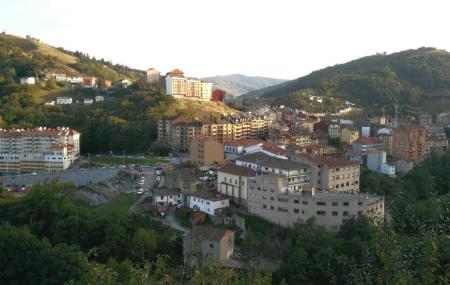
238,84
417,80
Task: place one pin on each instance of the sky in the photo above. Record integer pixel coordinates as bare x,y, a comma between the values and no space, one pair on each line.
280,38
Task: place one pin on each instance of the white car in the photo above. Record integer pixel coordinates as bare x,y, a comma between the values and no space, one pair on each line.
141,183
158,178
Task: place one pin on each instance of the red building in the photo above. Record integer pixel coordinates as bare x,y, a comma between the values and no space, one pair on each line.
218,95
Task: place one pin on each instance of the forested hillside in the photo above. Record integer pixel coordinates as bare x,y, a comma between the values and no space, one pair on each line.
415,80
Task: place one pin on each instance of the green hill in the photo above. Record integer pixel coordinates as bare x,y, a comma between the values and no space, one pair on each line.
416,80
22,57
238,84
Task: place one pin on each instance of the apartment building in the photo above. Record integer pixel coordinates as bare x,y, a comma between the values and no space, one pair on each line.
349,135
179,86
232,182
298,174
367,144
178,134
331,174
270,197
409,142
205,150
39,149
334,131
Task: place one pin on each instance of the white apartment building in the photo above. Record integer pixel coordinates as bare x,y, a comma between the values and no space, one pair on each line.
64,100
298,174
269,197
39,149
179,86
207,202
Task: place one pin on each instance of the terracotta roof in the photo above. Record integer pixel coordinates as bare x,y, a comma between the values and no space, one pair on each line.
246,142
367,140
274,149
37,132
237,170
208,233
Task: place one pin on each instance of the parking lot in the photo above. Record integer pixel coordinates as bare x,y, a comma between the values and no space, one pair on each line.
80,177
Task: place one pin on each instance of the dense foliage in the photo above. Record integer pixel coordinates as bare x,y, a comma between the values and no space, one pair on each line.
47,239
125,123
412,79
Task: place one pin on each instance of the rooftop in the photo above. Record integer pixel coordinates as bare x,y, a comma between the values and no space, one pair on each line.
166,191
237,170
208,233
37,132
367,140
269,161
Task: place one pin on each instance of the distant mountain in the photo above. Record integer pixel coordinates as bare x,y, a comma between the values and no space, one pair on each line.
415,80
238,84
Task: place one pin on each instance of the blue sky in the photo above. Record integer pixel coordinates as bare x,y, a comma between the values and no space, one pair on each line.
279,38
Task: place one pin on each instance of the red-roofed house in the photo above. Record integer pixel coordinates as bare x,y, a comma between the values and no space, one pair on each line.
206,151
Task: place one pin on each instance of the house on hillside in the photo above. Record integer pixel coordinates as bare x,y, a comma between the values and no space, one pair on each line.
207,202
208,243
27,81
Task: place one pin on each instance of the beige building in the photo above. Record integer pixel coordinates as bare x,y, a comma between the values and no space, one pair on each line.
409,143
205,243
270,198
38,150
178,134
232,182
205,150
152,76
349,135
180,86
331,174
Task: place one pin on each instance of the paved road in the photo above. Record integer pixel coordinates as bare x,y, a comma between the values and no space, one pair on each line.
80,177
171,220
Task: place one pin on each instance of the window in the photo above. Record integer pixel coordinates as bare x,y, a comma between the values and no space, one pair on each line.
334,213
211,245
334,204
264,206
304,202
345,214
296,201
272,208
345,204
321,213
296,211
360,203
321,203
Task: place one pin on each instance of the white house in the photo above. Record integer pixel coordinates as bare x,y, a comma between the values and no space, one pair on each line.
125,83
64,100
99,98
27,80
88,101
167,196
207,202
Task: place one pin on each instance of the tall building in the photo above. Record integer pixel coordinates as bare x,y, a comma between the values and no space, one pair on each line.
205,150
331,174
178,134
38,149
270,198
179,86
233,180
409,143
